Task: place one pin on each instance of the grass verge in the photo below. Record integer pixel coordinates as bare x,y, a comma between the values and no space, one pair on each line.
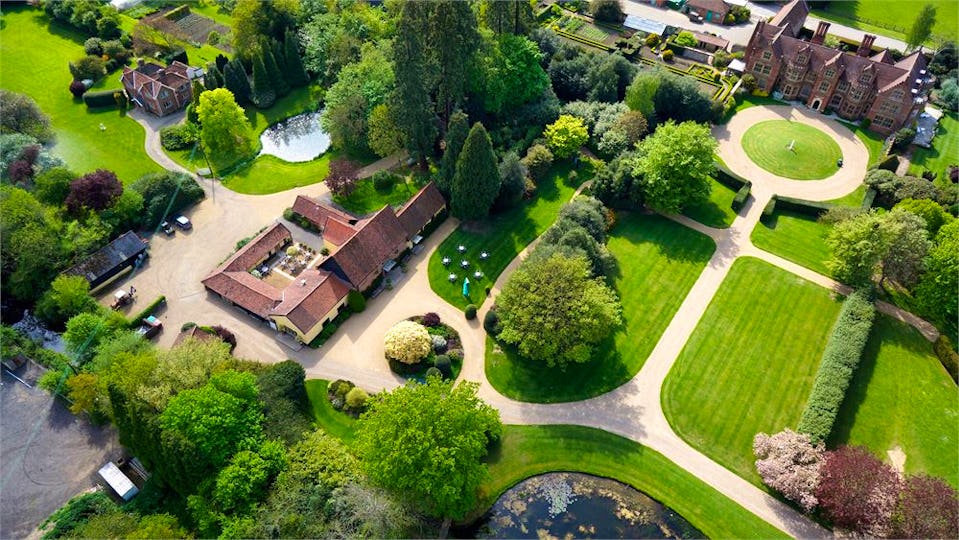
717,211
502,236
795,237
891,18
659,262
334,422
901,396
530,450
944,151
750,364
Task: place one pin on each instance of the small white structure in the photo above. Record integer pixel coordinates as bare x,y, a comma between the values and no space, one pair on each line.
118,481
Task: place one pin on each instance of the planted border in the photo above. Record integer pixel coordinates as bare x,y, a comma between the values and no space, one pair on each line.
839,362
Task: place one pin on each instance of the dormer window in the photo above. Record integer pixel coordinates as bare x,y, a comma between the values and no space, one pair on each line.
767,55
865,77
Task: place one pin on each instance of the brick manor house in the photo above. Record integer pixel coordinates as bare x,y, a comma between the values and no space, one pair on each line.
856,85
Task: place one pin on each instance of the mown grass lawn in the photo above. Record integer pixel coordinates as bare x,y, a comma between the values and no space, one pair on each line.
891,17
366,199
659,260
502,236
812,156
750,364
901,396
944,151
531,450
35,52
795,237
717,211
334,422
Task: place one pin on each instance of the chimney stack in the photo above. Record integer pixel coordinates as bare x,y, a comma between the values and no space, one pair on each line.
865,48
820,36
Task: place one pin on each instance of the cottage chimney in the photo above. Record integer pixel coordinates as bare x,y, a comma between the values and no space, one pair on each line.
139,62
865,48
820,36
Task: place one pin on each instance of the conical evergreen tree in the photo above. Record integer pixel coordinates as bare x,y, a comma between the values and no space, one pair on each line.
221,61
262,94
273,72
477,180
295,72
213,78
197,89
456,133
236,81
280,56
411,100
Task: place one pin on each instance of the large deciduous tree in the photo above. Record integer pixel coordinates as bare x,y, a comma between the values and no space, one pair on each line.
225,130
892,245
937,288
477,179
858,491
96,191
360,87
554,311
385,138
789,463
607,10
66,297
566,135
427,441
676,162
20,114
927,508
254,20
509,73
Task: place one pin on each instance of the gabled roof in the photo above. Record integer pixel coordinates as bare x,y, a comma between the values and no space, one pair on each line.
791,16
336,226
308,300
710,39
420,209
106,260
232,279
716,6
882,56
149,78
375,242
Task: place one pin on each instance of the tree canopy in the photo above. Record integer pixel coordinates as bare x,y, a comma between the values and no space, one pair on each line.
566,135
676,162
225,130
426,441
477,181
554,311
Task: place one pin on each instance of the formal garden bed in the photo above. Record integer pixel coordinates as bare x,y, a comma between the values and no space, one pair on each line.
749,365
659,261
423,346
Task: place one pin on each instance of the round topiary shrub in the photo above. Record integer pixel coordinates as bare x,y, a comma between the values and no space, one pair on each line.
668,55
383,180
339,388
470,312
77,88
431,319
439,343
491,323
356,399
356,301
442,363
408,342
434,372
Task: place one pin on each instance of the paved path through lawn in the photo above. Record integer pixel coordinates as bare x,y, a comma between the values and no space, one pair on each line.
355,351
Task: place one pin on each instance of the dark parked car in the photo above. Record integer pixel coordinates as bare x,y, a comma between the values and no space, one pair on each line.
150,328
167,228
183,223
695,17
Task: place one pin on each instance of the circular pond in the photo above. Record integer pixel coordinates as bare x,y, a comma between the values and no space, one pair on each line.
574,505
298,138
792,150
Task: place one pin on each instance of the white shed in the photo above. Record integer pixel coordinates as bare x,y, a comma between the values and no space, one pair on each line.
118,481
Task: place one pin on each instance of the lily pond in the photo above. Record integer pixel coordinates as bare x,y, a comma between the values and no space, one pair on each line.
298,138
574,505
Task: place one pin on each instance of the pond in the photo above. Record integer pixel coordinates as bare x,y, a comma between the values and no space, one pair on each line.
574,505
298,138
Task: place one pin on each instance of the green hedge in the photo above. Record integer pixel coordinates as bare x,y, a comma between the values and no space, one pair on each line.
839,362
947,356
801,206
103,98
741,196
868,198
728,178
890,163
769,210
136,320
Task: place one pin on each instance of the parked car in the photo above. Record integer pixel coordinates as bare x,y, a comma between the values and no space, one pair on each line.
695,17
150,328
167,228
183,223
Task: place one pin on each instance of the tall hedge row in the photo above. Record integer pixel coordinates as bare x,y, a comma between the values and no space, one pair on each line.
839,363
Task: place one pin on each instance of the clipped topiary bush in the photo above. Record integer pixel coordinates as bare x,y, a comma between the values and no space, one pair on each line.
470,312
434,372
668,55
408,342
355,301
383,180
77,88
491,323
442,363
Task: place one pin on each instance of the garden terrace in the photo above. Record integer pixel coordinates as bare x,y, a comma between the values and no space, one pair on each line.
764,330
659,261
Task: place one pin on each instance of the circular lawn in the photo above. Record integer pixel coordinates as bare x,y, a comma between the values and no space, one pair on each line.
813,155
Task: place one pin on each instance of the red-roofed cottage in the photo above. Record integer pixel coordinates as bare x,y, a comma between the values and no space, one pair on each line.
157,89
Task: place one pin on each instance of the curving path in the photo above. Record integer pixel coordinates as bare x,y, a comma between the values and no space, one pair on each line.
633,410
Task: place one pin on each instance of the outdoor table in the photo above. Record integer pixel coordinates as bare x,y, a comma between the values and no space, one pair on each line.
461,248
446,261
477,274
452,277
464,263
484,255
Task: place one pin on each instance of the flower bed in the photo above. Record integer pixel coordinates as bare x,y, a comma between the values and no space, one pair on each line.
446,355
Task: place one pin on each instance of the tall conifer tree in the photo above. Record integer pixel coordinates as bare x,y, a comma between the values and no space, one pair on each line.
477,179
411,99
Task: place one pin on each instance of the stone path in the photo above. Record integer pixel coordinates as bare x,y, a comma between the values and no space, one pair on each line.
633,410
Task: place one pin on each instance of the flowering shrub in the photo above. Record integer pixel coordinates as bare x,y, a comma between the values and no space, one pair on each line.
408,342
789,463
439,343
431,319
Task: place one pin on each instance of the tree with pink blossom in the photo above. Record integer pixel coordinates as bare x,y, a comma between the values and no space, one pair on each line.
789,463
